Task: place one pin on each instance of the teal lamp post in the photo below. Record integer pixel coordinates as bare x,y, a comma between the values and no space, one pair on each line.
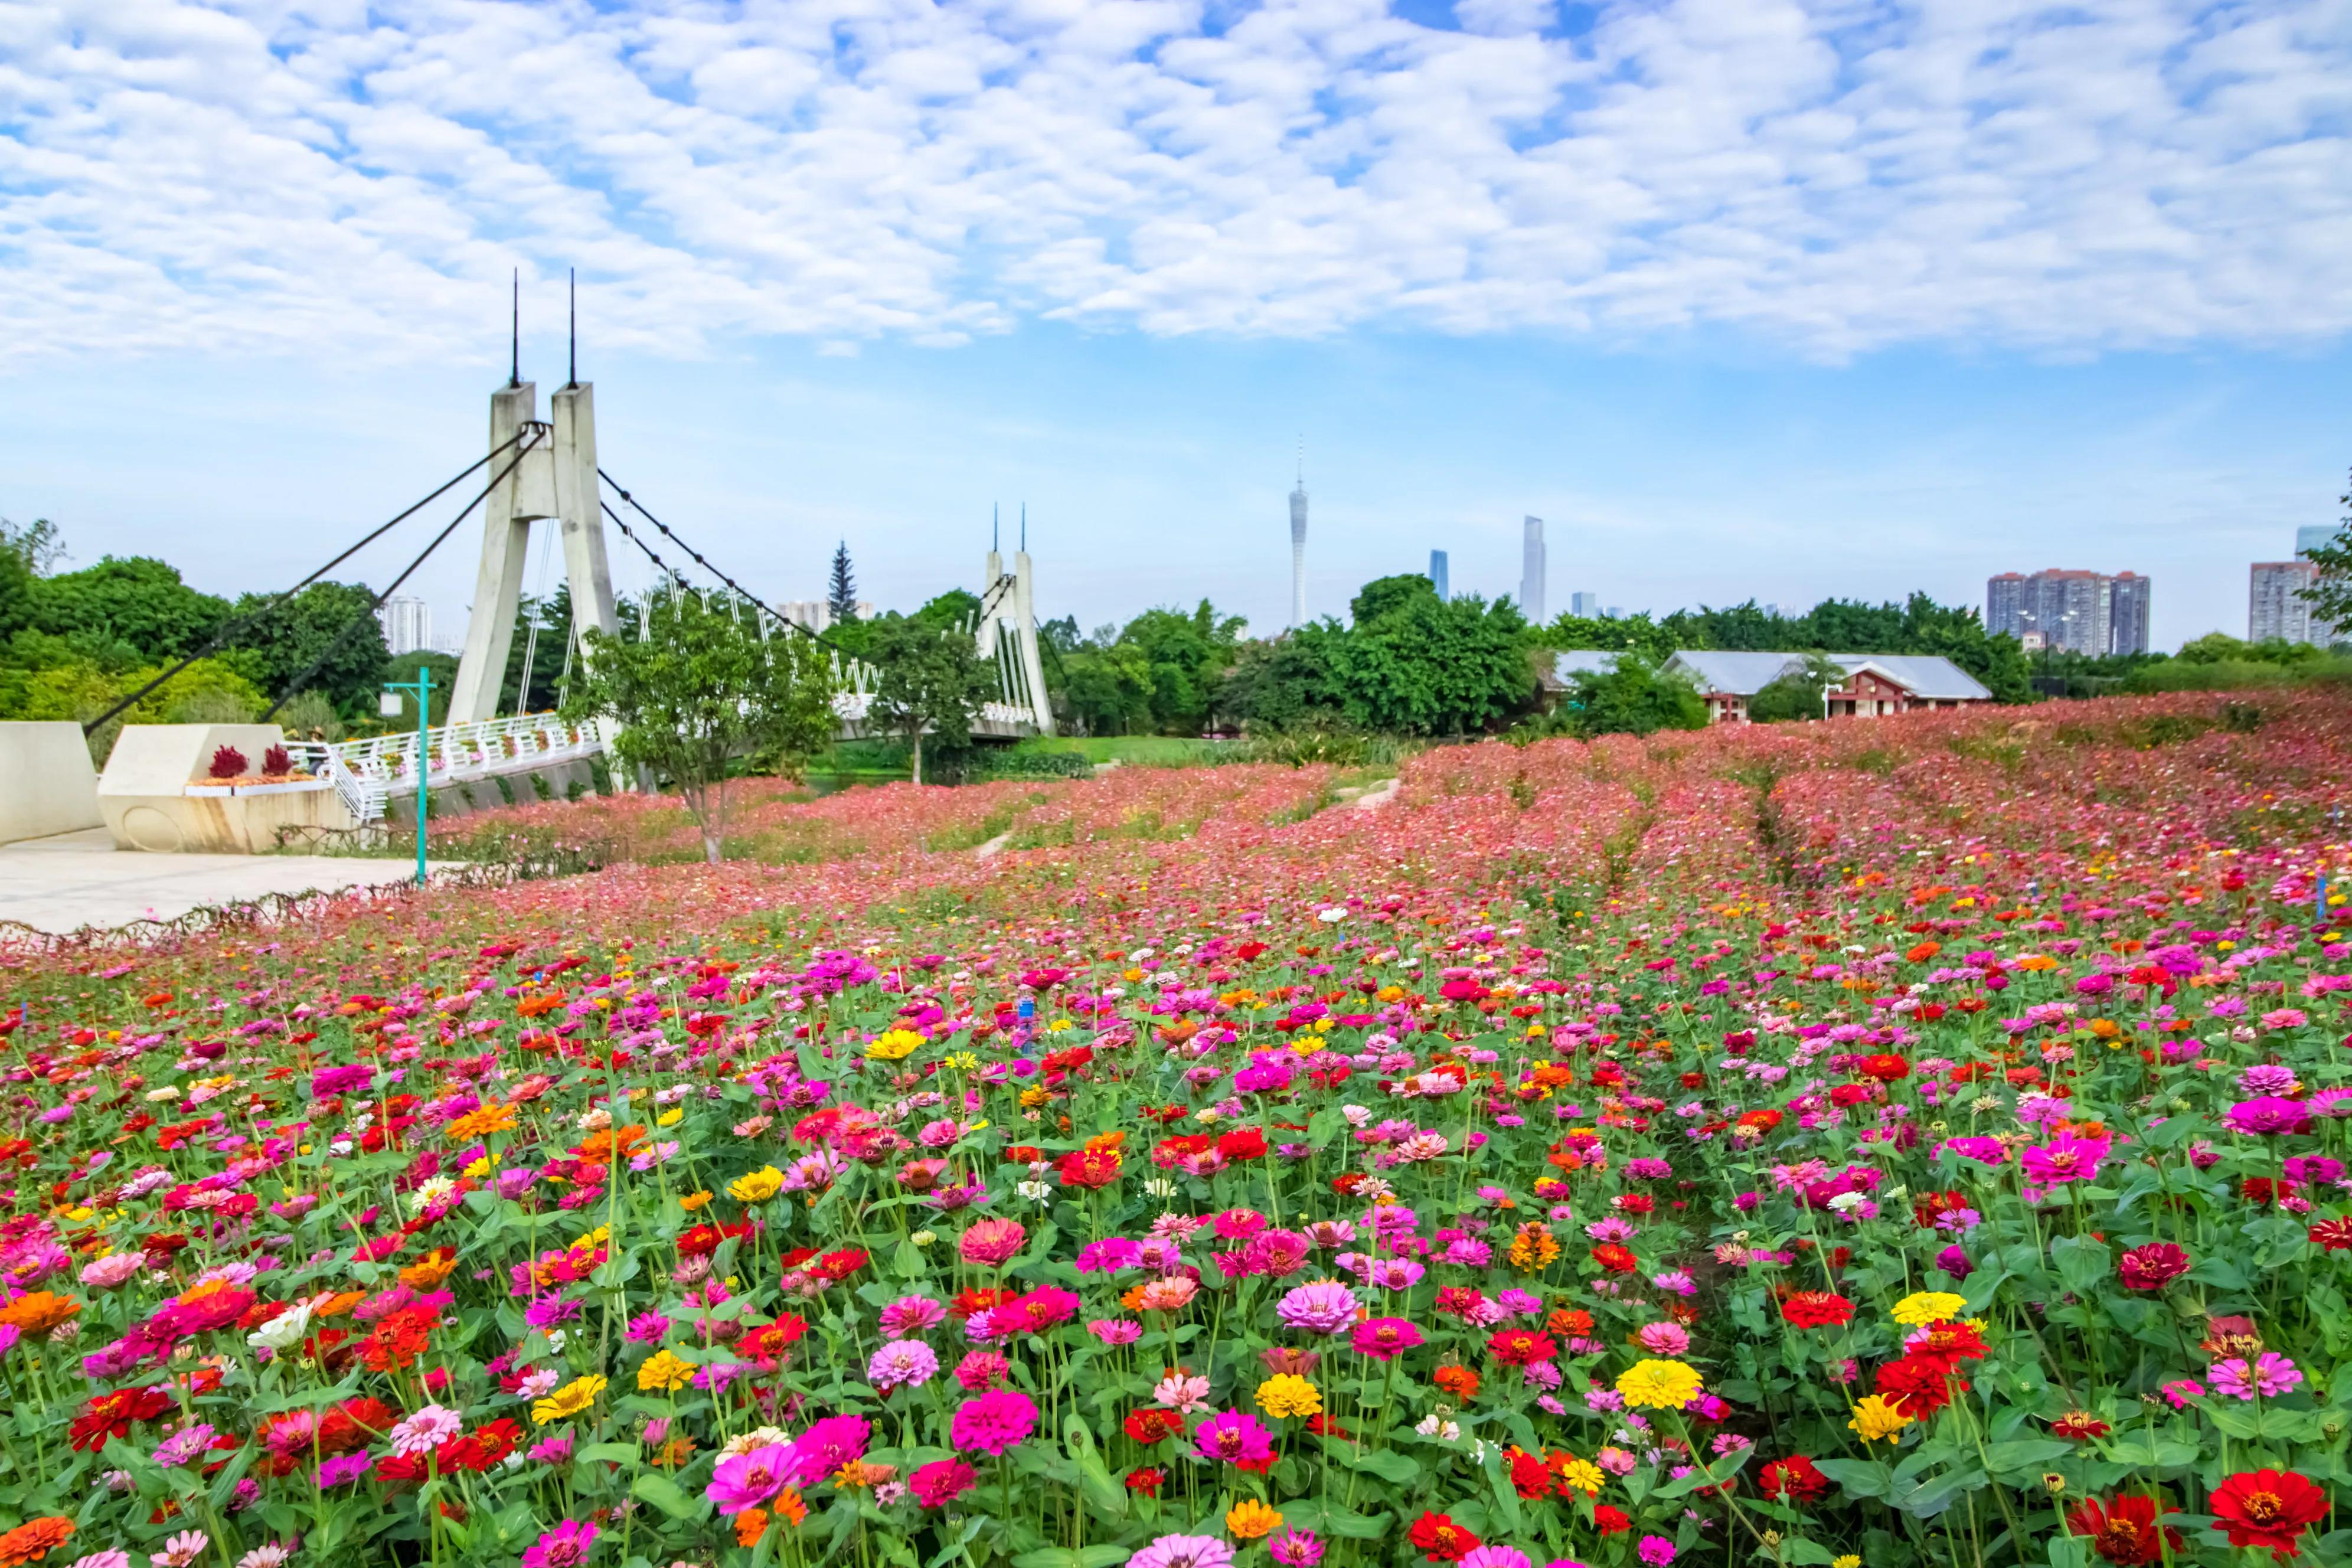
421,689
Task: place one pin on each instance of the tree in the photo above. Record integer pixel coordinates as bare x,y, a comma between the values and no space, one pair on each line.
1631,695
325,638
932,683
37,544
702,689
1414,664
2331,597
138,601
840,595
1796,694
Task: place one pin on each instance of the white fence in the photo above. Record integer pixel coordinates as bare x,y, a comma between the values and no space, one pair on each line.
367,773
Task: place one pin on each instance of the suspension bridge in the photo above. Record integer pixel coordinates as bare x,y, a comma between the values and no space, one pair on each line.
545,473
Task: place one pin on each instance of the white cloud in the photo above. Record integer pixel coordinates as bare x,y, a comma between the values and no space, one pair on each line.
284,174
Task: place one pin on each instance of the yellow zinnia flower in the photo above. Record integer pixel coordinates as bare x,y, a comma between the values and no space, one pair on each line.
1924,1307
1875,1419
1287,1394
1250,1519
1658,1385
568,1401
1583,1475
665,1371
894,1044
760,1184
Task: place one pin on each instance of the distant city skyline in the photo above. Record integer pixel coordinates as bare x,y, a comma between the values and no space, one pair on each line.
2091,613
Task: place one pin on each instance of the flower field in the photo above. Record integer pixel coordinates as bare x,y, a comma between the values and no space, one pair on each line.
1878,1143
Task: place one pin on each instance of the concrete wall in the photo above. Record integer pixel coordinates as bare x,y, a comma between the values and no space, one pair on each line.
143,792
47,783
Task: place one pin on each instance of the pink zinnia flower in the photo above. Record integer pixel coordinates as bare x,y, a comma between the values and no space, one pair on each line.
1000,1419
835,1441
989,1242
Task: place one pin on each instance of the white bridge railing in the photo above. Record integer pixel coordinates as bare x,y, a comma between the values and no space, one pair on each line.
367,773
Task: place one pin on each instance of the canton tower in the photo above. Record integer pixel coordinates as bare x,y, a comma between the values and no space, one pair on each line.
1299,544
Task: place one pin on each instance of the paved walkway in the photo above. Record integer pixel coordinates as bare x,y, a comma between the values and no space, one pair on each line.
78,879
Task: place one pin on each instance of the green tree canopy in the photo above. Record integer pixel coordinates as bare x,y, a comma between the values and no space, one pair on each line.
325,638
1631,695
1796,694
1161,674
931,685
138,601
703,690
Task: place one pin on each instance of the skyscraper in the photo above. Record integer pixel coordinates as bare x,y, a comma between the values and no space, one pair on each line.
2276,606
407,623
1437,574
2082,612
1585,607
1531,572
2312,535
1299,547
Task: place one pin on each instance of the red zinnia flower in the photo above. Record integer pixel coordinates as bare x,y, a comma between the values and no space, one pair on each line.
1611,1521
1147,1480
1519,1347
1530,1477
2078,1425
2268,1508
1919,1385
1154,1426
1885,1068
1442,1538
2334,1235
1795,1480
2123,1530
1816,1310
2151,1268
1616,1259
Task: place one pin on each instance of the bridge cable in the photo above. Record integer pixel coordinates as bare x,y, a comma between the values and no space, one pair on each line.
529,438
704,560
239,623
654,556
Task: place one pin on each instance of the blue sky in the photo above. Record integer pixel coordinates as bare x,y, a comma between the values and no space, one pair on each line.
1762,299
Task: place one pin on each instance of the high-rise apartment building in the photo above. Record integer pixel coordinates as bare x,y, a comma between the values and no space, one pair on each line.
2127,596
2276,606
1531,571
2082,612
1438,575
2312,535
1585,606
1299,549
407,623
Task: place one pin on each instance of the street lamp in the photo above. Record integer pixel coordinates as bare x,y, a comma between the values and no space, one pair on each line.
389,706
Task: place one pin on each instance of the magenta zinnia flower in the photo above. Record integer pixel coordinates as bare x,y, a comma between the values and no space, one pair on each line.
2269,1116
1385,1339
1234,1438
941,1482
565,1546
2064,1158
746,1480
835,1441
1000,1419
